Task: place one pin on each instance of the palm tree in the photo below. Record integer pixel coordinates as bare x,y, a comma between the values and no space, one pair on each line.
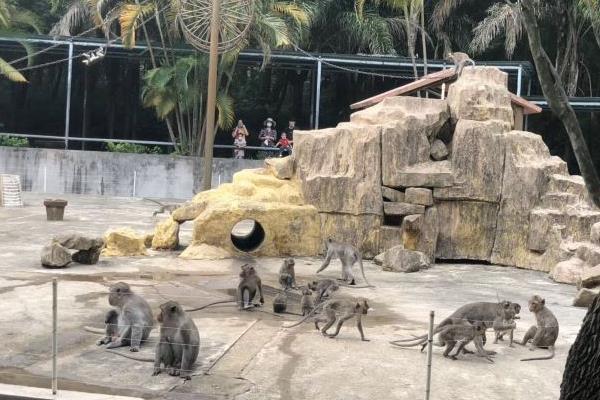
17,19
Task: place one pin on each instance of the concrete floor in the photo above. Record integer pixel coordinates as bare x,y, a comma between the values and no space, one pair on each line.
249,355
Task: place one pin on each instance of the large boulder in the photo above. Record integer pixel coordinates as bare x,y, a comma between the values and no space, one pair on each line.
89,257
124,242
568,271
55,255
585,297
481,94
166,235
339,169
527,166
398,259
438,150
477,162
282,168
466,230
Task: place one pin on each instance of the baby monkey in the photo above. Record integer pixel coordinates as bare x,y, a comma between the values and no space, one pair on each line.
287,275
306,302
342,310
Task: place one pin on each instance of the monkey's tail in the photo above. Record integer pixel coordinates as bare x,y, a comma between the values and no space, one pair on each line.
211,304
94,330
310,314
413,344
541,358
437,330
362,270
154,201
142,359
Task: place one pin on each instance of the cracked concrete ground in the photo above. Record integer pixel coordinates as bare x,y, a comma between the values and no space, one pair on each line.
249,355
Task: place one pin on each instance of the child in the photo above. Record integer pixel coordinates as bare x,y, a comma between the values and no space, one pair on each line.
284,145
239,143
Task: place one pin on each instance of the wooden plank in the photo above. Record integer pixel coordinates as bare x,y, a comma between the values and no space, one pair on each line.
528,107
427,81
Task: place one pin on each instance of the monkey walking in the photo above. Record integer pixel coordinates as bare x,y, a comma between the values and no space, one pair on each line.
460,60
544,334
287,275
348,255
179,342
342,310
473,312
130,323
249,284
163,207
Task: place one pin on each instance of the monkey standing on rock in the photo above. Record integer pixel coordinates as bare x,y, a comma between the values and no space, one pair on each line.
348,255
130,323
460,60
545,332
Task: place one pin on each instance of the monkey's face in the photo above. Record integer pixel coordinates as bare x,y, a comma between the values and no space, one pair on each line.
247,270
116,293
536,303
168,311
290,262
307,292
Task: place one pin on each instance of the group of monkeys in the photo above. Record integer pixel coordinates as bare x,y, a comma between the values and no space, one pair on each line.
131,320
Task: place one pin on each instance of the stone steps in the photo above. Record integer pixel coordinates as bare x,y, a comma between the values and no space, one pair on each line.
573,184
559,200
575,223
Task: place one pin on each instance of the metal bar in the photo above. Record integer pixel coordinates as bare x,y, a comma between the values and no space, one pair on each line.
429,354
519,80
134,182
318,94
54,334
68,101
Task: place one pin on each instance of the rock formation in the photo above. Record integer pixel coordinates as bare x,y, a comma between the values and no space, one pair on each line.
66,248
123,243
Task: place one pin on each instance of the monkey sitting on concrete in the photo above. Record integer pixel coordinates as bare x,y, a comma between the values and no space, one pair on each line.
460,60
348,255
131,322
342,310
545,332
280,303
287,276
306,302
179,342
323,288
249,284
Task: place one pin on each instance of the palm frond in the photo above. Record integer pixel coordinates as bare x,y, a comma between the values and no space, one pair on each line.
4,15
26,18
10,72
29,50
298,14
130,17
72,21
225,108
502,18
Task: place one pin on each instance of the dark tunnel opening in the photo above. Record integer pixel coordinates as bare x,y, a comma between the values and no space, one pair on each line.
247,235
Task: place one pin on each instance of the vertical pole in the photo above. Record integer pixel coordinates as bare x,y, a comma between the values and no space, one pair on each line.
134,181
212,95
45,179
424,42
519,79
429,353
54,333
318,95
68,102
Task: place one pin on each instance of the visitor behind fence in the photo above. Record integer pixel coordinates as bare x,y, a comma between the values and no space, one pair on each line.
285,145
289,131
268,134
239,139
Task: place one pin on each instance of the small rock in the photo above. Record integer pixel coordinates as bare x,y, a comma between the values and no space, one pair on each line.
398,259
55,256
378,259
78,242
595,233
390,194
411,231
89,257
590,277
438,150
148,240
282,168
420,196
585,297
568,271
166,235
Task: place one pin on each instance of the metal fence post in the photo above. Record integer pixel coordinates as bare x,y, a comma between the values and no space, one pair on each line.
134,182
429,354
318,94
68,101
54,333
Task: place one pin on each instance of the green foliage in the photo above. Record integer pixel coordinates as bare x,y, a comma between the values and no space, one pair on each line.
11,141
122,147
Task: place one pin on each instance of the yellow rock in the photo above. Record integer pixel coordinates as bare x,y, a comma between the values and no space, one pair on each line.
124,242
166,235
205,252
285,225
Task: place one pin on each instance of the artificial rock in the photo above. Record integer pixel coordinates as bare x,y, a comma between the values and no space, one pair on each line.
124,242
398,259
55,255
166,235
420,196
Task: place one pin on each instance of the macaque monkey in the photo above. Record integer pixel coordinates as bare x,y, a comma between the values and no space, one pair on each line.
460,60
348,255
342,310
545,332
249,284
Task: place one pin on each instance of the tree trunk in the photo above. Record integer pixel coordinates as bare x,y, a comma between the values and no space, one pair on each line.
581,379
559,102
